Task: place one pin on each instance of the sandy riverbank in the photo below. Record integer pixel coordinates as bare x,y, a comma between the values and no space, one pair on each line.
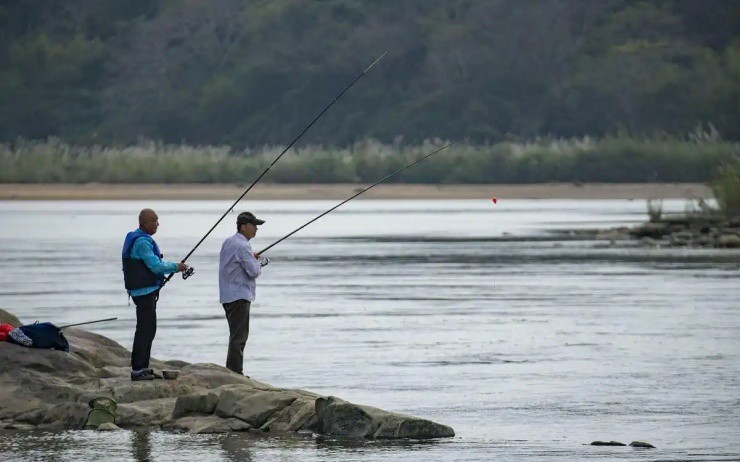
95,191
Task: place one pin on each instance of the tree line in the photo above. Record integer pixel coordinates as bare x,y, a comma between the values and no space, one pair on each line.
249,74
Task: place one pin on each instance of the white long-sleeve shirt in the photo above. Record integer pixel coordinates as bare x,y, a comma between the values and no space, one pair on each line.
238,270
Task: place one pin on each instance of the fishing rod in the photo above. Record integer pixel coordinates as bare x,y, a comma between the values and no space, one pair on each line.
87,322
369,187
189,272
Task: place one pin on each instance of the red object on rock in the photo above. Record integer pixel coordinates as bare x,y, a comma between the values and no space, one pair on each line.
4,331
495,201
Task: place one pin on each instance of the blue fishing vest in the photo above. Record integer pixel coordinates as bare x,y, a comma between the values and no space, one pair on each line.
136,275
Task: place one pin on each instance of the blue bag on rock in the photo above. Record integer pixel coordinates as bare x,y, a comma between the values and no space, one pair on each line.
45,335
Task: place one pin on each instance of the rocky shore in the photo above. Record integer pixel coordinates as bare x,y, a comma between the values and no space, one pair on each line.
690,230
53,390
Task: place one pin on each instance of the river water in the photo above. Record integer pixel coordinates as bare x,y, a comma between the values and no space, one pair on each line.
468,313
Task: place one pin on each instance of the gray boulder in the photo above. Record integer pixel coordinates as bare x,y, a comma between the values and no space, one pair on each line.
108,427
7,318
729,241
49,389
642,444
202,402
340,418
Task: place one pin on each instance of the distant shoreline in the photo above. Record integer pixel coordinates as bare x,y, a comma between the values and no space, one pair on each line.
267,191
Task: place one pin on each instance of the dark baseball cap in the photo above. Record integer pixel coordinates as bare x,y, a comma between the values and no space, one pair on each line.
248,217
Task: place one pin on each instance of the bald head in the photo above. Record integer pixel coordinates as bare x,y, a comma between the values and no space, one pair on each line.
148,221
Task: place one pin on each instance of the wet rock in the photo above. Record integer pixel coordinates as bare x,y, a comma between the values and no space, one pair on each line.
340,418
253,407
132,392
641,444
704,240
146,413
682,235
728,241
708,229
209,424
653,230
607,443
57,416
650,242
49,389
677,220
677,242
298,416
19,426
611,235
399,427
108,427
203,402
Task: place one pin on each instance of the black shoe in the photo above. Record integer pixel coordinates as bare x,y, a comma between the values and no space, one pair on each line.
240,373
143,374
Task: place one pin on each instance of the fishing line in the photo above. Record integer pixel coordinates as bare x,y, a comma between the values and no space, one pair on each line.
351,84
366,189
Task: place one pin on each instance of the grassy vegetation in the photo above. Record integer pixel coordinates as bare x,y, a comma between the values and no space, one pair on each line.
617,159
726,188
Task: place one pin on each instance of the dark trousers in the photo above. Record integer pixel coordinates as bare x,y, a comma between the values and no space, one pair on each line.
237,314
146,328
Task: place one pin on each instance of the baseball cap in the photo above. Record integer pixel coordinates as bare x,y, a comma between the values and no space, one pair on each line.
248,217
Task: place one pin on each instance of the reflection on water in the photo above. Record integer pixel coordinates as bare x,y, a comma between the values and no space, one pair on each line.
142,446
528,343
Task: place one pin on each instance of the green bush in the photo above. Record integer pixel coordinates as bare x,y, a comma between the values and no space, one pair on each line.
726,189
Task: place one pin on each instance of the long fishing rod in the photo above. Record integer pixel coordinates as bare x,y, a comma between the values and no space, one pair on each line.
369,187
351,84
86,322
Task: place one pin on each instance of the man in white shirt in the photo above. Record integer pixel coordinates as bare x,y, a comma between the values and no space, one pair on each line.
238,271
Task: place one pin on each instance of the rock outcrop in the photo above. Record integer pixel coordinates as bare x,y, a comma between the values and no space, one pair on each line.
634,444
49,389
690,230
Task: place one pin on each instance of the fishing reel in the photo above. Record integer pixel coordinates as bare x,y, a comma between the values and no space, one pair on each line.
188,272
264,261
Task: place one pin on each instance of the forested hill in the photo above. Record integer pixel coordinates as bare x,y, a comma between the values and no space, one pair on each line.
248,73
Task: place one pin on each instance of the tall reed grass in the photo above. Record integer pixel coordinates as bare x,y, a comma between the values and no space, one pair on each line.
726,189
618,159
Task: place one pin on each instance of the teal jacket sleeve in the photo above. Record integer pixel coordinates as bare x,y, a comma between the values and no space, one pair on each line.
144,250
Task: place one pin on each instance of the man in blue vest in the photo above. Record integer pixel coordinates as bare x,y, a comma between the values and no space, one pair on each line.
143,274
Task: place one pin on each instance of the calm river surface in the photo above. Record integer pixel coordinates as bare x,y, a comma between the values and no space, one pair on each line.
464,312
